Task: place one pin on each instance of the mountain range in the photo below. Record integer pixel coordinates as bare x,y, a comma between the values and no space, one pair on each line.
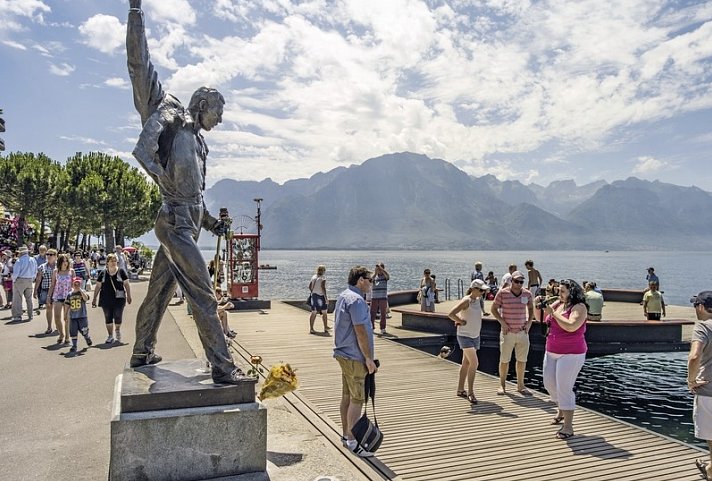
410,201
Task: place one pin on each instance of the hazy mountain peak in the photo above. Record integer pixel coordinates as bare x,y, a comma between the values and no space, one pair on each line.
405,200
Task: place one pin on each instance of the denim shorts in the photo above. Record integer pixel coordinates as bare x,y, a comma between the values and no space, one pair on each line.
318,303
465,342
42,296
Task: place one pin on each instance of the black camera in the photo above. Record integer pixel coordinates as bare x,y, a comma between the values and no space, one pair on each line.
544,301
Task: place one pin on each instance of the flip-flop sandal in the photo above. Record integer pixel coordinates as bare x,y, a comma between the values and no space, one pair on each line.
472,399
557,420
462,394
702,466
561,435
501,392
525,392
48,331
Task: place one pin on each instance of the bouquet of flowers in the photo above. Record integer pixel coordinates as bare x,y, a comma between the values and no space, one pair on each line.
281,380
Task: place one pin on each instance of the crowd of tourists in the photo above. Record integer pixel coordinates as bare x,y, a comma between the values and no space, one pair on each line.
566,306
59,283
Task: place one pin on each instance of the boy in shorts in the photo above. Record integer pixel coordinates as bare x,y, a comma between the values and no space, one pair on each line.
78,322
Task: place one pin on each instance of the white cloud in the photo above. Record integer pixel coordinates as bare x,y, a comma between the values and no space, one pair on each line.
117,82
12,12
648,165
82,140
176,11
311,84
61,70
13,44
104,33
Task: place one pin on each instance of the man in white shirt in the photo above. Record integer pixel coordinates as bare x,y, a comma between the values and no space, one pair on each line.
507,278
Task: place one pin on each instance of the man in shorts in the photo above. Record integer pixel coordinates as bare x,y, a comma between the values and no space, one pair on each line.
353,349
513,307
699,375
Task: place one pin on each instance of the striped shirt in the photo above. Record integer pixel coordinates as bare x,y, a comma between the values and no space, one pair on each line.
380,287
80,269
512,308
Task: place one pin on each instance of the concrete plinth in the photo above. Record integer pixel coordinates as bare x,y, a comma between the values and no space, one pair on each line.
185,443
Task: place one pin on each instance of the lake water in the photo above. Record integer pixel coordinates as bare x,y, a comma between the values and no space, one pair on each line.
648,390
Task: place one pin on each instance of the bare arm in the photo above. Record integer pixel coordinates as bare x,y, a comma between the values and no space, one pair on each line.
38,282
453,313
498,315
530,311
51,286
693,366
576,318
363,345
97,288
127,288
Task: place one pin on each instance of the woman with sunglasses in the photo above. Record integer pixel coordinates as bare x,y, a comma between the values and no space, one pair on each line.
565,351
467,316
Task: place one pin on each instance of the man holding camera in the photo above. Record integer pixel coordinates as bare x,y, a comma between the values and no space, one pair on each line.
513,307
353,349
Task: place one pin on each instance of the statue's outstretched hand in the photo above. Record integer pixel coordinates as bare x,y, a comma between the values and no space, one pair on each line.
135,4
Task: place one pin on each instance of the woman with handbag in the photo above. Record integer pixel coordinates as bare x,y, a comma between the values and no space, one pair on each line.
114,291
565,351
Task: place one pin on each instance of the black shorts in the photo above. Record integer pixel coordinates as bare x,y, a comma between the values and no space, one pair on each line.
113,315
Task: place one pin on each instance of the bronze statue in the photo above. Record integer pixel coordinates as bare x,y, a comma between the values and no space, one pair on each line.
173,152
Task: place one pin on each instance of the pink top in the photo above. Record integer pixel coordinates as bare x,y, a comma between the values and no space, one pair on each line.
560,341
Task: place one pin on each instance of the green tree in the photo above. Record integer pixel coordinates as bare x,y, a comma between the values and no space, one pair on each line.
31,183
116,196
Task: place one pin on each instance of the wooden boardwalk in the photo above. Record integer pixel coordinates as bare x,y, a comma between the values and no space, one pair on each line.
430,434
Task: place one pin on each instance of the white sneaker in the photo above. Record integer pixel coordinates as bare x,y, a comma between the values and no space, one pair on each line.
118,336
353,446
383,332
109,340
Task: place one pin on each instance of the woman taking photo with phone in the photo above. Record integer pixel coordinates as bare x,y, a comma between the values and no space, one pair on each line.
565,351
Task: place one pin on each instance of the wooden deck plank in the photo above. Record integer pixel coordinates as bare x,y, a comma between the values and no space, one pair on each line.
432,434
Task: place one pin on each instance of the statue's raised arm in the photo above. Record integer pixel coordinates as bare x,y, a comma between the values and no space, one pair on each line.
147,90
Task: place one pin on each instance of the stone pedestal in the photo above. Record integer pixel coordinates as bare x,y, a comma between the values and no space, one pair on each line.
170,422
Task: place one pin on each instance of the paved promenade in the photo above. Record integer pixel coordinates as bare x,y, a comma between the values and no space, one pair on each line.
55,410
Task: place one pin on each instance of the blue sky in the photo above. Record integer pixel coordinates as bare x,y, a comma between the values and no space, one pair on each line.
532,91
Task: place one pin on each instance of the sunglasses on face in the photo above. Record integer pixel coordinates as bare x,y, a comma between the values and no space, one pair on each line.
518,282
